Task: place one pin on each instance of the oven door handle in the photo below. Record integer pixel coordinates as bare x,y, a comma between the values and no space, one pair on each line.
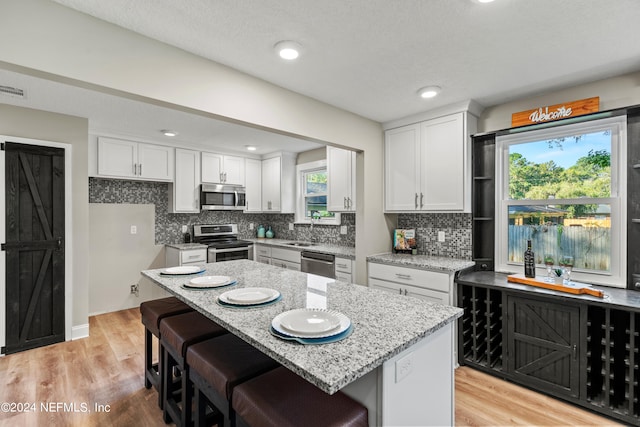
238,249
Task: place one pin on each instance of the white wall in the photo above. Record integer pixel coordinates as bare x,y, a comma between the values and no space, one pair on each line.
615,92
117,256
66,45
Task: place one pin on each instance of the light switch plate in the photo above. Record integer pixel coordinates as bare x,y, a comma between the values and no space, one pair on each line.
343,229
184,228
440,236
290,226
404,366
134,229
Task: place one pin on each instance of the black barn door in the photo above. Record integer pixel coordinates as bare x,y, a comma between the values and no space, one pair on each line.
34,201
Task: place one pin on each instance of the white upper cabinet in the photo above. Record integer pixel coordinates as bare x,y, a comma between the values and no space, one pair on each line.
184,193
278,183
427,165
119,158
341,179
253,186
402,168
220,169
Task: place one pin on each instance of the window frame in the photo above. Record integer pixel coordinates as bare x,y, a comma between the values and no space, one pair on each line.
300,217
617,276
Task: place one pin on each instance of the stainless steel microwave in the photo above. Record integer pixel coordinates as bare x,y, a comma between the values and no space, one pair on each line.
222,197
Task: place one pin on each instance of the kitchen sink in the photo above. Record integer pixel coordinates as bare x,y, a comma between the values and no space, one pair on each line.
300,244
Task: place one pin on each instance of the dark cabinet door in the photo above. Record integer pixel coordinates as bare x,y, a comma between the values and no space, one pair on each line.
35,219
542,345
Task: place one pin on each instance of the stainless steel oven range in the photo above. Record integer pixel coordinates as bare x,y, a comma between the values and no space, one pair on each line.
223,243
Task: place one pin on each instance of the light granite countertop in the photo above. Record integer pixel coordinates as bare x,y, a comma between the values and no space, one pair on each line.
384,324
186,246
340,251
423,262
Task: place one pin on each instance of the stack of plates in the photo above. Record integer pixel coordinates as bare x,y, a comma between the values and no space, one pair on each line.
209,282
311,326
248,297
183,270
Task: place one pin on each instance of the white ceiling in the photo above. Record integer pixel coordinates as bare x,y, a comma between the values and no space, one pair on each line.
371,56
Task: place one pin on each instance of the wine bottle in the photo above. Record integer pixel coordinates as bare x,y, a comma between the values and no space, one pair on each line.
529,262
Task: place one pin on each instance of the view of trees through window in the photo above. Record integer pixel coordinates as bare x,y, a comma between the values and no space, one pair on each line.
315,195
559,197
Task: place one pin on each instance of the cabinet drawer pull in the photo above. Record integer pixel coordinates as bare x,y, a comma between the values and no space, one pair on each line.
403,276
416,201
421,200
342,265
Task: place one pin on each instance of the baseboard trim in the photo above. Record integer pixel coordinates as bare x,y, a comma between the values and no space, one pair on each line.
80,331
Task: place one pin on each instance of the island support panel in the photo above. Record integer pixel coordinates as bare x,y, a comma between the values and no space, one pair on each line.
522,339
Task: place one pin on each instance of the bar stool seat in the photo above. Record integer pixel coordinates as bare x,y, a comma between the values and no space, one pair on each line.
151,313
177,333
280,398
216,366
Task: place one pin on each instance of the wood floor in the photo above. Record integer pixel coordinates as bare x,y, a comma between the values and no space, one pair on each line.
107,369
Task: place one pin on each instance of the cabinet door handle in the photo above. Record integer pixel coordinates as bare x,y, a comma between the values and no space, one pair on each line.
403,276
575,352
400,291
421,200
135,168
344,202
405,292
416,202
140,169
349,203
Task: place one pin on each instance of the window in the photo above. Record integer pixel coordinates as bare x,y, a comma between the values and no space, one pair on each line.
563,188
312,195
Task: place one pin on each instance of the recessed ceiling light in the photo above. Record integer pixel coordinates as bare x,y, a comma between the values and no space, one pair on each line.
250,147
429,91
167,132
288,49
483,1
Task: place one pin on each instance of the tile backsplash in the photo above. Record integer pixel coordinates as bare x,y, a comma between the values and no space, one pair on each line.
456,228
168,226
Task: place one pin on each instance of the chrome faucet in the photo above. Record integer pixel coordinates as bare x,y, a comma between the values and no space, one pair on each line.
315,215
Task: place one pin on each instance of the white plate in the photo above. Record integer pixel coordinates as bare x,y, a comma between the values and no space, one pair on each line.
311,323
184,269
209,281
249,296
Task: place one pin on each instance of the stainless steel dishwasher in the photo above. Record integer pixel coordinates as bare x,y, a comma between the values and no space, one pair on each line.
317,263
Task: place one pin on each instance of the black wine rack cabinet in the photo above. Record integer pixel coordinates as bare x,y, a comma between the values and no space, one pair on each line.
581,349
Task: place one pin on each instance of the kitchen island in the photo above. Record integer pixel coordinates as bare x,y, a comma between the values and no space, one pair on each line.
397,362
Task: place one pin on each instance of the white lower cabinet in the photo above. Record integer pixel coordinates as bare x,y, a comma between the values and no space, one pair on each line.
285,258
343,269
175,257
280,257
424,284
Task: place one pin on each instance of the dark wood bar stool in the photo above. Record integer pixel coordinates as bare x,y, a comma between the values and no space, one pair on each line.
152,312
280,398
177,333
216,366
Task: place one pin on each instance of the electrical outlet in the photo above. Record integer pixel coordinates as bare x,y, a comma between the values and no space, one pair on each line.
134,229
290,226
135,290
184,228
343,229
404,366
250,226
440,236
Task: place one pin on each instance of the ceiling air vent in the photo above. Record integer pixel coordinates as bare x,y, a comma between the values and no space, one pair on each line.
12,91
